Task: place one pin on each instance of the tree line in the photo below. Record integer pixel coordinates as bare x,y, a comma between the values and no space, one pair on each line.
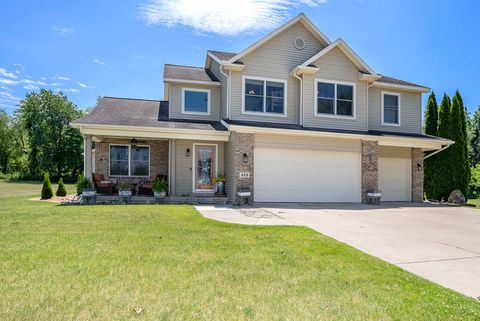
457,167
38,139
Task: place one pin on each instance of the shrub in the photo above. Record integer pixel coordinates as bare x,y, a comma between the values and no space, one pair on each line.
83,183
47,191
61,190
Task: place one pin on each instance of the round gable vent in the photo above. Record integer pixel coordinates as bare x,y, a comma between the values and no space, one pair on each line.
299,43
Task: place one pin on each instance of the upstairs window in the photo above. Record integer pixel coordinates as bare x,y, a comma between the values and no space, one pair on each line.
264,96
196,101
335,99
390,109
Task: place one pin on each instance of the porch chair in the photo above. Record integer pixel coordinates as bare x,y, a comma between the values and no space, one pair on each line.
102,186
146,187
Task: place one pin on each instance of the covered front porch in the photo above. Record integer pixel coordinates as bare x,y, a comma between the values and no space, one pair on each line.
189,163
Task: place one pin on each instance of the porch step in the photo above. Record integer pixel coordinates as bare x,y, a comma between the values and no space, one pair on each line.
115,199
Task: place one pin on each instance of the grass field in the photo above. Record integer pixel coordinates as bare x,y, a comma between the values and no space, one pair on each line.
102,262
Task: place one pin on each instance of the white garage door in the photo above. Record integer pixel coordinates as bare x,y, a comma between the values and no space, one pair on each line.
395,179
300,175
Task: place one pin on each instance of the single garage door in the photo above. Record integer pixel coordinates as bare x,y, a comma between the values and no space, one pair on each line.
395,178
322,173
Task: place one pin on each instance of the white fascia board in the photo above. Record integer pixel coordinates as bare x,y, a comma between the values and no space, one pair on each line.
381,84
414,142
299,70
233,67
151,132
188,81
300,17
342,45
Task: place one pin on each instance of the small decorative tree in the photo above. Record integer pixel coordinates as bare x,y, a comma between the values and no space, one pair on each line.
47,191
61,190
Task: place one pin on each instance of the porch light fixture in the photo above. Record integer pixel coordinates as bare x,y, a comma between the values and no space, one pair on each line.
245,157
134,143
187,152
419,167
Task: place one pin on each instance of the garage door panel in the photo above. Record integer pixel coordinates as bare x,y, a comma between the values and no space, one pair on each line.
395,179
289,175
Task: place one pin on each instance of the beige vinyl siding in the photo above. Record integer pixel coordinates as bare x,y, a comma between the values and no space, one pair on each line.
175,102
184,165
395,152
275,59
410,111
335,66
307,143
215,69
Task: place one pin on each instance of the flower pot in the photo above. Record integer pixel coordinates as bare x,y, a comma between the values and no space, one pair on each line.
221,188
160,194
88,192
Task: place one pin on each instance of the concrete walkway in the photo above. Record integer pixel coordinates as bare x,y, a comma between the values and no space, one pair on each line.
439,243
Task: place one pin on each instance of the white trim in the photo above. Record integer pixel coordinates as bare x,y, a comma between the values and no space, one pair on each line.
196,82
301,17
207,113
383,93
194,168
264,112
342,45
381,84
129,160
335,83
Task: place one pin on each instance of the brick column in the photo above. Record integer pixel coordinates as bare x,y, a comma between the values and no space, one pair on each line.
417,175
235,162
369,167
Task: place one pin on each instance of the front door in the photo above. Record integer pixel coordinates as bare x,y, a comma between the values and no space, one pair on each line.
205,165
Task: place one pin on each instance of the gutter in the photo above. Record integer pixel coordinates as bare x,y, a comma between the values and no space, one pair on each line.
301,96
438,151
228,89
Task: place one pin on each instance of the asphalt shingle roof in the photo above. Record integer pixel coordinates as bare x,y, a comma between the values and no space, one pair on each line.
222,55
188,73
139,112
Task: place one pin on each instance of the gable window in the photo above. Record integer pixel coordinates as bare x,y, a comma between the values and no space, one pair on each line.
335,99
195,101
264,96
390,109
128,160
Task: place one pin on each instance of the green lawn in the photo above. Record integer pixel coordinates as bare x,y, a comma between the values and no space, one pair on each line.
101,262
8,188
474,201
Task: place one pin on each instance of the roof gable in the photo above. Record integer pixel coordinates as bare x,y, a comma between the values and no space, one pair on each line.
342,45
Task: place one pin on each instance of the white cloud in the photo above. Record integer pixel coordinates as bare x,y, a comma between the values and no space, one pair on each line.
5,73
6,96
62,31
61,78
98,61
30,87
7,81
70,90
224,17
81,84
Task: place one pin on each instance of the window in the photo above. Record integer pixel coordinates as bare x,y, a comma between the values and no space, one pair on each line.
127,160
196,101
264,96
335,99
390,109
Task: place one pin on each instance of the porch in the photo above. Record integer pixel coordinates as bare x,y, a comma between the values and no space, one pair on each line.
188,165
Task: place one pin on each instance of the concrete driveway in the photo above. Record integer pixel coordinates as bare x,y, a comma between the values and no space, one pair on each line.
439,243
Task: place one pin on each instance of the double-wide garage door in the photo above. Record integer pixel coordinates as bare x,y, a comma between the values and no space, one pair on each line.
306,170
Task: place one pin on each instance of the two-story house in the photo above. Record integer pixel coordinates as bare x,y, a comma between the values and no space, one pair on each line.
294,117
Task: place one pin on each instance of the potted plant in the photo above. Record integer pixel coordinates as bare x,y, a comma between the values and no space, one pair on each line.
220,184
160,188
85,186
125,189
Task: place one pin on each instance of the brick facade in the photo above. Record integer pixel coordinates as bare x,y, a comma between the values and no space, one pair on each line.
369,167
238,145
158,159
417,175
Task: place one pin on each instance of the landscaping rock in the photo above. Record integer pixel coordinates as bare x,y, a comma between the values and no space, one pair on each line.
456,197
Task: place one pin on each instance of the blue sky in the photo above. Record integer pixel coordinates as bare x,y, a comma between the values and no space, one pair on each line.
117,48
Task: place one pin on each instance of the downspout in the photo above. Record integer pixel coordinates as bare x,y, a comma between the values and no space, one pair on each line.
228,89
301,97
438,151
368,101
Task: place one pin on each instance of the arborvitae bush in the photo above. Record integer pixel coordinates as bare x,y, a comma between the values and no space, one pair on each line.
47,191
61,190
